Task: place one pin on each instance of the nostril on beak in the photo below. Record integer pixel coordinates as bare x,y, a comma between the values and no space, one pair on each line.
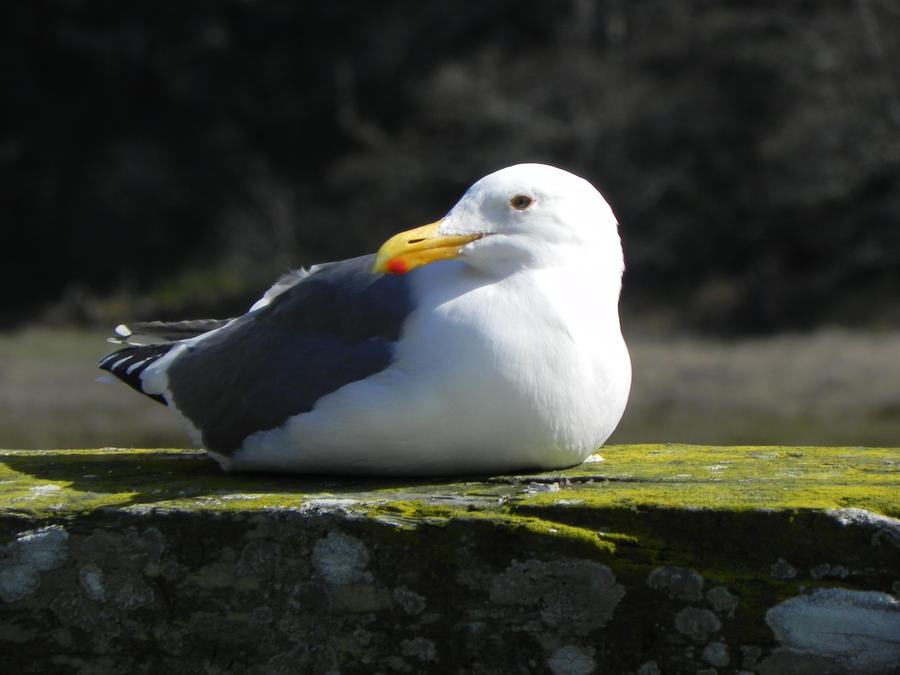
415,241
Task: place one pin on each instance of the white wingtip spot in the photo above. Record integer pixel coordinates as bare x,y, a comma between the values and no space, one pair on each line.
109,357
118,363
122,330
136,364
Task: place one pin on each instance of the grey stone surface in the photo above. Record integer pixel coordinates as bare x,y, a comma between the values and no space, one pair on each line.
289,575
859,630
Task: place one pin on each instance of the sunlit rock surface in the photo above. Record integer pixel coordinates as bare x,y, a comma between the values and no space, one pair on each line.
655,559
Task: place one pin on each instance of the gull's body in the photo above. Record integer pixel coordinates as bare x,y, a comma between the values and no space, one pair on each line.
494,346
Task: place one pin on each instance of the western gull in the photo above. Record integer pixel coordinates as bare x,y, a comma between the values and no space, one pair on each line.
488,341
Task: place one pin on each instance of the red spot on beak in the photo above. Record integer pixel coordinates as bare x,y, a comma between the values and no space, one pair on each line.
397,266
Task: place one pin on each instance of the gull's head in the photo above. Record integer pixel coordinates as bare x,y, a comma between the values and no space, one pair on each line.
527,215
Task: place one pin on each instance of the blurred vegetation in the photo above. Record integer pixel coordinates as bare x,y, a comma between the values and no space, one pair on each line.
830,388
166,159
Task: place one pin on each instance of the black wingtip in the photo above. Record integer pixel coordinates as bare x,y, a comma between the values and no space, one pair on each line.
129,363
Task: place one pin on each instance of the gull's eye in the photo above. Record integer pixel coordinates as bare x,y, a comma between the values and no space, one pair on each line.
521,202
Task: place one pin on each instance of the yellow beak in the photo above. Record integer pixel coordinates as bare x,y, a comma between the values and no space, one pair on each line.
411,249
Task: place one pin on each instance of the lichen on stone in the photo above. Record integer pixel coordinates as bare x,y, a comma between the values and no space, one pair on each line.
857,629
697,623
658,559
677,582
32,552
572,660
579,593
341,559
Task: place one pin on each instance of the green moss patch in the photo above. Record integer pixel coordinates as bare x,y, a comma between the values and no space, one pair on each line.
167,534
70,482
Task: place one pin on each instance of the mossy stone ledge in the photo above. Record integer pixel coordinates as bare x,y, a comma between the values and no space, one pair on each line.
654,559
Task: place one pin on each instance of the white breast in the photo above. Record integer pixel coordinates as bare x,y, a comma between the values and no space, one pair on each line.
488,376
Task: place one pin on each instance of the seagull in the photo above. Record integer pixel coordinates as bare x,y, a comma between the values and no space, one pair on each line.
486,342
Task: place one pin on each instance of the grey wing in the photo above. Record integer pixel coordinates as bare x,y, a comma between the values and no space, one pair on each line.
284,283
156,332
335,325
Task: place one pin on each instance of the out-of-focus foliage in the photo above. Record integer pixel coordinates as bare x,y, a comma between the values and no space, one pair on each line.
751,150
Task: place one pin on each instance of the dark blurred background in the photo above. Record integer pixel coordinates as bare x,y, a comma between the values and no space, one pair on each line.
168,160
187,152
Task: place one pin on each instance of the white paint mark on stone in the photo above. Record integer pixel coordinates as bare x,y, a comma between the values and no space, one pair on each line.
341,559
858,629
